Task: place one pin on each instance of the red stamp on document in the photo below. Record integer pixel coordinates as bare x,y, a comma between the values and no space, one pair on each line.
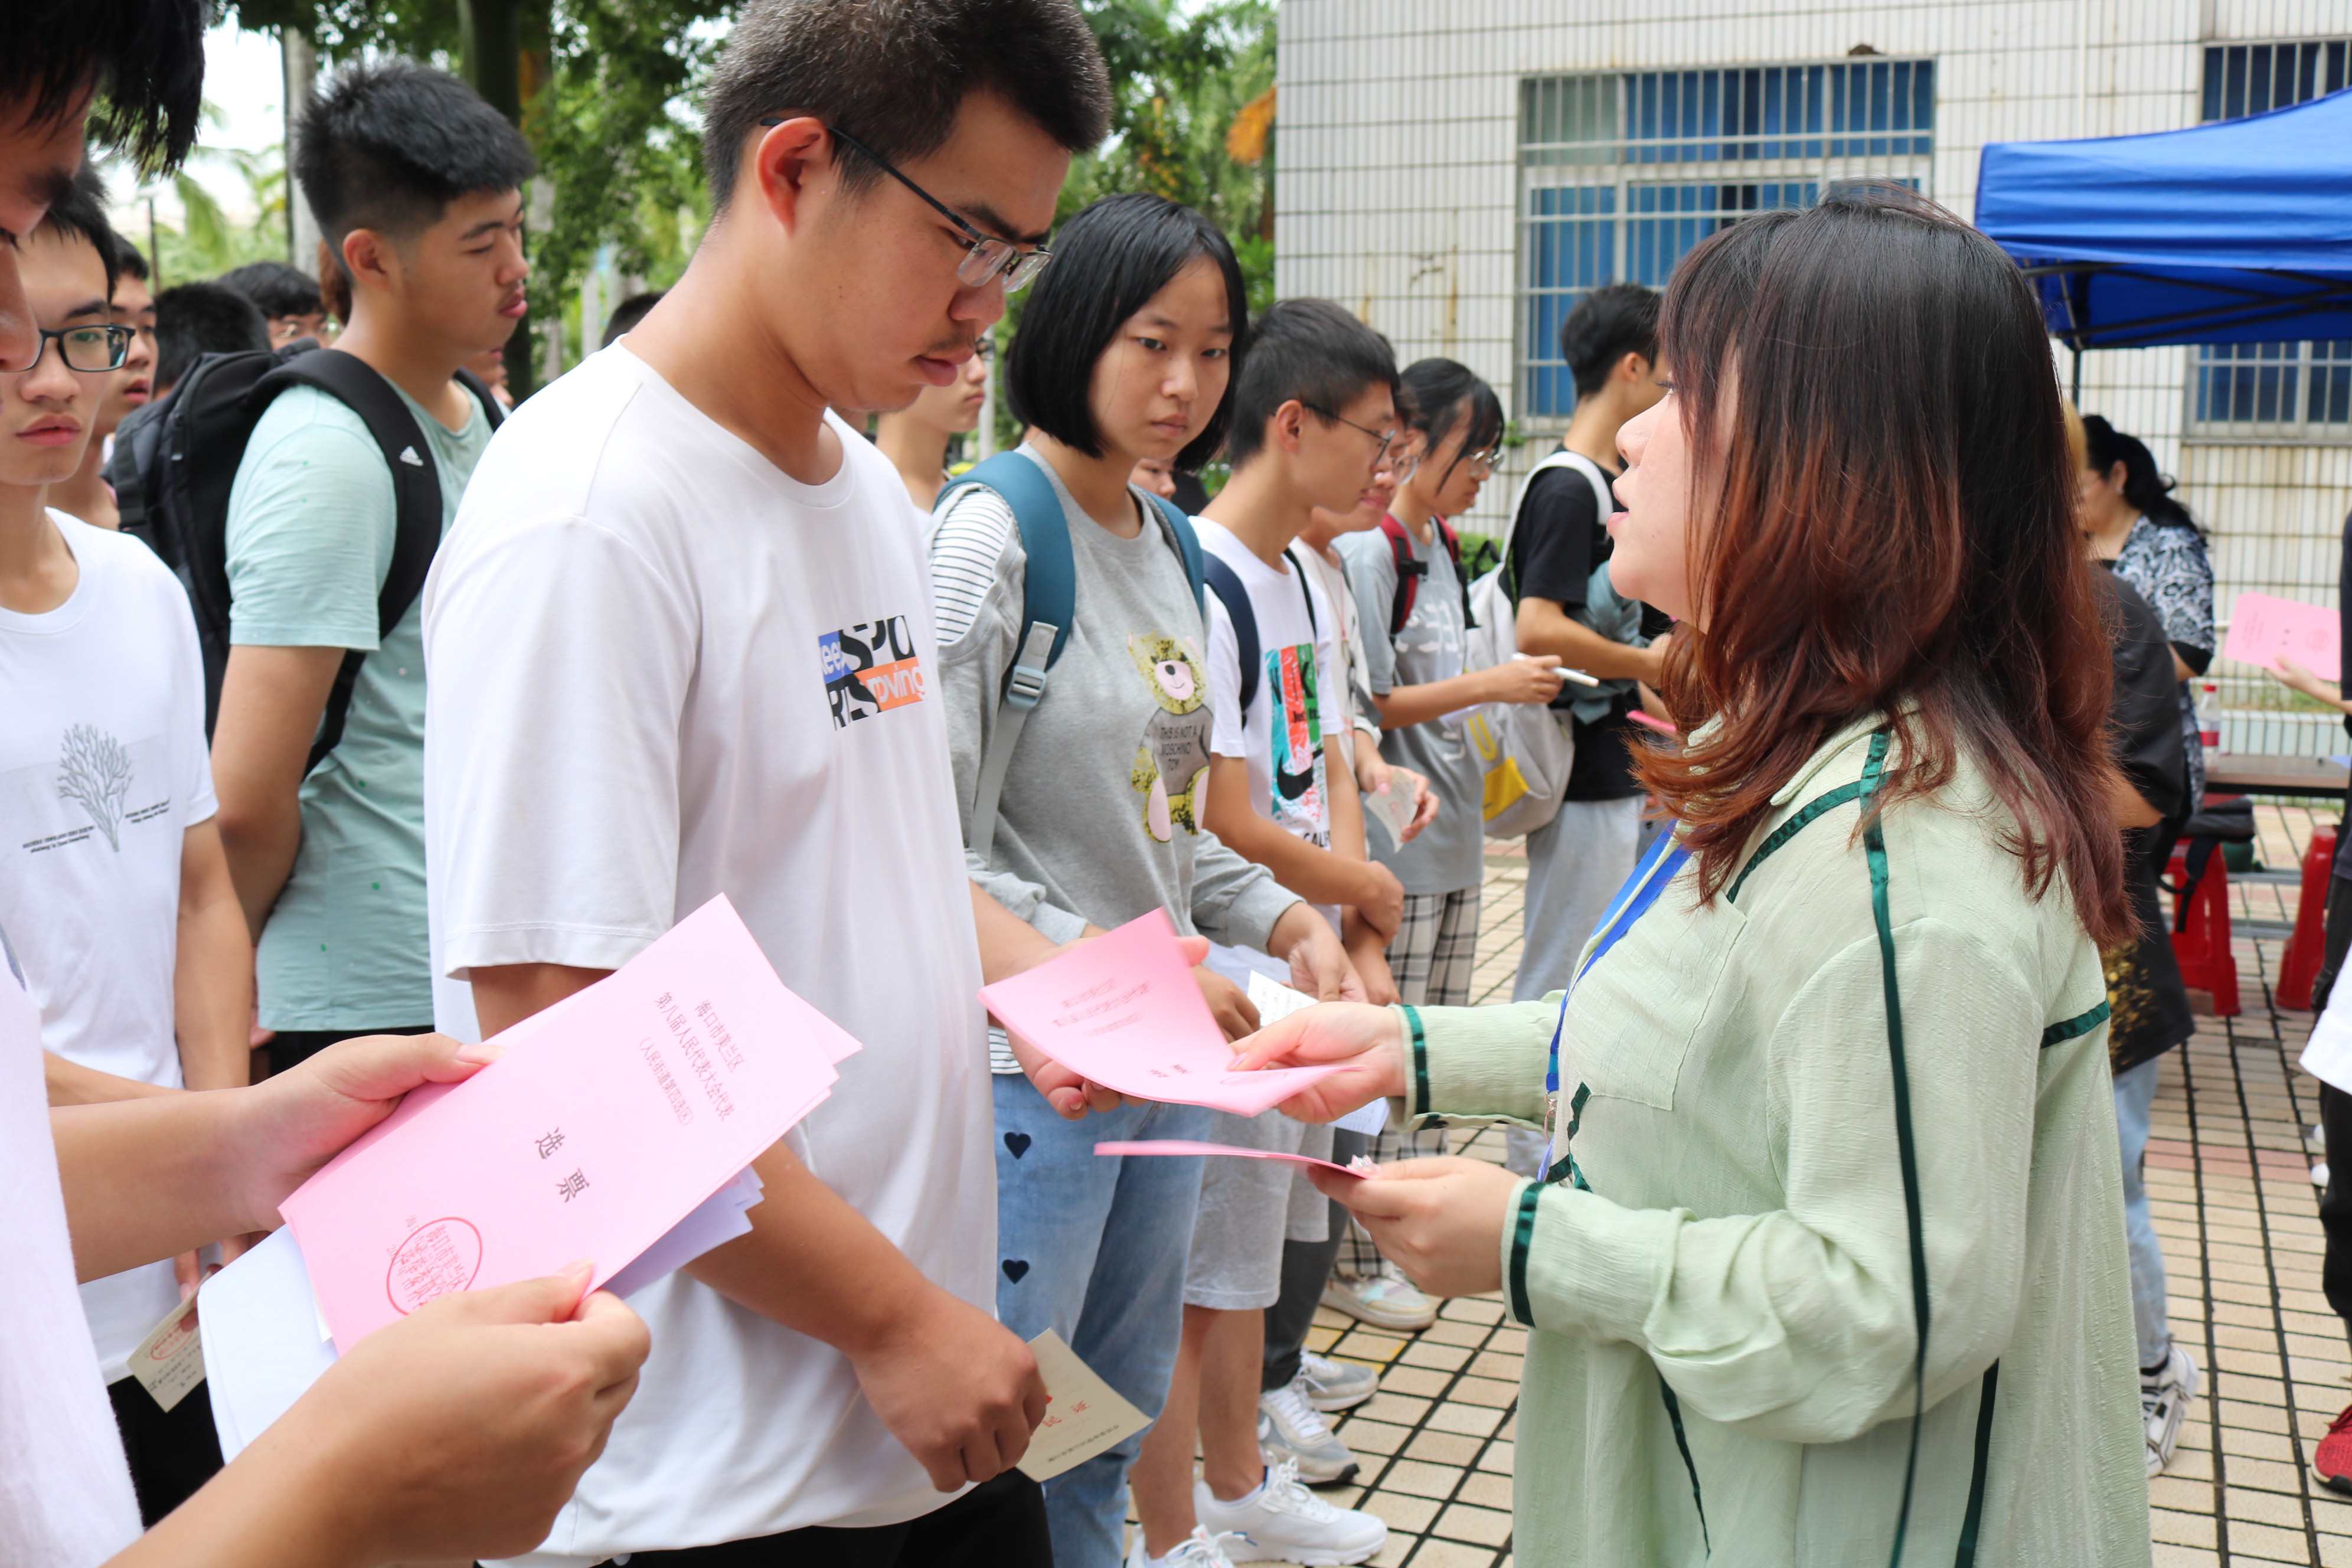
439,1255
174,1343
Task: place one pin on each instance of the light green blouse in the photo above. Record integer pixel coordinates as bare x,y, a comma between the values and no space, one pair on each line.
1723,1366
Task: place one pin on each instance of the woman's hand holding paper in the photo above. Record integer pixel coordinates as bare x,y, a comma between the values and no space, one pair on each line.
290,1125
1441,1220
1369,1040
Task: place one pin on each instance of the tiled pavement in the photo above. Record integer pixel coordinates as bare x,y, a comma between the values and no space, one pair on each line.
2233,1202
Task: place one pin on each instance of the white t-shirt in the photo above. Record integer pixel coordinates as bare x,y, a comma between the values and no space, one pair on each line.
64,1493
661,670
102,772
1281,736
1349,711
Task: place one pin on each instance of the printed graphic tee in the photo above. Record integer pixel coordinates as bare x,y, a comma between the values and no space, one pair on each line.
1281,733
1100,818
102,772
64,1493
662,669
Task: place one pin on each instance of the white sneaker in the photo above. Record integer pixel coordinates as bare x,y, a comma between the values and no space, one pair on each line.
1282,1519
2315,1139
1336,1385
1198,1550
2164,1396
1385,1300
1290,1427
2319,1173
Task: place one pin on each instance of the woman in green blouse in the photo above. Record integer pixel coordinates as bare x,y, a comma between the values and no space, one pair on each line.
1824,1267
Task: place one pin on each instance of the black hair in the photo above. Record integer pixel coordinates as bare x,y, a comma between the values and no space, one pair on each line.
628,313
1309,352
196,319
1441,393
893,73
1109,261
145,57
1606,325
278,288
2146,491
80,213
389,144
130,262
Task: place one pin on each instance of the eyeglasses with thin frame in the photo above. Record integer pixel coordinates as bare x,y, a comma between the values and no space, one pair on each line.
1403,460
986,256
1387,440
92,350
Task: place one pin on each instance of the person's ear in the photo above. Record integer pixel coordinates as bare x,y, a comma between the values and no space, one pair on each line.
2117,476
1286,425
787,165
373,261
1635,369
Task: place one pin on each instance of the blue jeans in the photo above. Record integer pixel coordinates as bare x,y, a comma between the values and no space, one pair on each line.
2135,1097
1094,1248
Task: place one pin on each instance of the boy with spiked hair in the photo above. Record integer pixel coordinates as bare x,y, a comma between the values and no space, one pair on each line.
417,187
681,646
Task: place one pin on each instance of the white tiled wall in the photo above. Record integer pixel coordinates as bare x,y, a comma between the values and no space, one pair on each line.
1396,180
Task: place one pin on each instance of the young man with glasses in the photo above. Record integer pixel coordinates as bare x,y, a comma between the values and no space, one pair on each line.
113,883
680,646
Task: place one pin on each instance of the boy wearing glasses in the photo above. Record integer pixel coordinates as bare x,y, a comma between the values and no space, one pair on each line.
112,884
680,646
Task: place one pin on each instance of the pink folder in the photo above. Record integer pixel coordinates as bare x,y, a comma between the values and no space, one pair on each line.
1124,1010
2262,629
612,1115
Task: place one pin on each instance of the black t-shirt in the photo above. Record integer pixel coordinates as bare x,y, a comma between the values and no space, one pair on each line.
1559,537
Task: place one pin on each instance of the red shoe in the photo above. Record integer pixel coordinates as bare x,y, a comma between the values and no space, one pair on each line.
2331,1467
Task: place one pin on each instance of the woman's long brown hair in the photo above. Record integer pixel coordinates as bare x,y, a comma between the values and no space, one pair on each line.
1883,524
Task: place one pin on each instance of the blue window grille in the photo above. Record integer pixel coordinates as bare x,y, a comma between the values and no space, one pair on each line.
2273,389
1626,172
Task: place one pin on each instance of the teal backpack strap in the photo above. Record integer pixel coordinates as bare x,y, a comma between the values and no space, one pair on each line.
1048,603
1188,549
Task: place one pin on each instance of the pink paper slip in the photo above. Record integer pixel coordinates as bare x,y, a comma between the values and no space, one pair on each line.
612,1115
2263,628
1187,1146
1124,1010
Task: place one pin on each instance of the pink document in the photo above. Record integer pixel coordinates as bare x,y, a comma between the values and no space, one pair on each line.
2262,629
613,1115
1124,1010
1364,1167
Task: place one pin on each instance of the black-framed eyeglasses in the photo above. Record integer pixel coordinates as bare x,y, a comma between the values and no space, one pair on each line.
986,256
1387,439
92,350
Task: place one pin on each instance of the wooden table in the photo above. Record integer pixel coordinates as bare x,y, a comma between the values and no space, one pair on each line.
2247,772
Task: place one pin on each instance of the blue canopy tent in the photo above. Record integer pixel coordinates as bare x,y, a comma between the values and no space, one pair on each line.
2239,231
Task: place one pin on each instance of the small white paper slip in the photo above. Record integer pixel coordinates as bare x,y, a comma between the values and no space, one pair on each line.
1085,1416
1273,999
1391,810
171,1360
1367,1118
2328,1055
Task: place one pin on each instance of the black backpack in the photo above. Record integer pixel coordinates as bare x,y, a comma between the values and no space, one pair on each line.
175,461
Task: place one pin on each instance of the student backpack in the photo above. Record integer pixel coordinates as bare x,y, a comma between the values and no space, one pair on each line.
1049,604
1524,751
175,462
1411,570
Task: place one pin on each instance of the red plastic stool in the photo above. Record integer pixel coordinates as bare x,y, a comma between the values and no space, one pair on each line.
2308,945
2201,930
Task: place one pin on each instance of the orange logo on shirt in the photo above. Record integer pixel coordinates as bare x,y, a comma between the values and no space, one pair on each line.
869,669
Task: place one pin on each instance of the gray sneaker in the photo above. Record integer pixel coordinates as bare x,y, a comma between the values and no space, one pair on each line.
1289,1429
1335,1385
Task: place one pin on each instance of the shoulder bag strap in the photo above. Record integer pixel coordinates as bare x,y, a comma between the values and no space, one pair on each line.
1049,595
417,502
1227,586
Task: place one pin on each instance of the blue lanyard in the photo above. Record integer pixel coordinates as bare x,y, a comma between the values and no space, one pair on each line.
1659,866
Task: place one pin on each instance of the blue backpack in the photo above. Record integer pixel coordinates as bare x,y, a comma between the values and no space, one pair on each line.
1048,605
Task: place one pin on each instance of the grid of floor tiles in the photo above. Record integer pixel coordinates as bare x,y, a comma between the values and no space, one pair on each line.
2234,1204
